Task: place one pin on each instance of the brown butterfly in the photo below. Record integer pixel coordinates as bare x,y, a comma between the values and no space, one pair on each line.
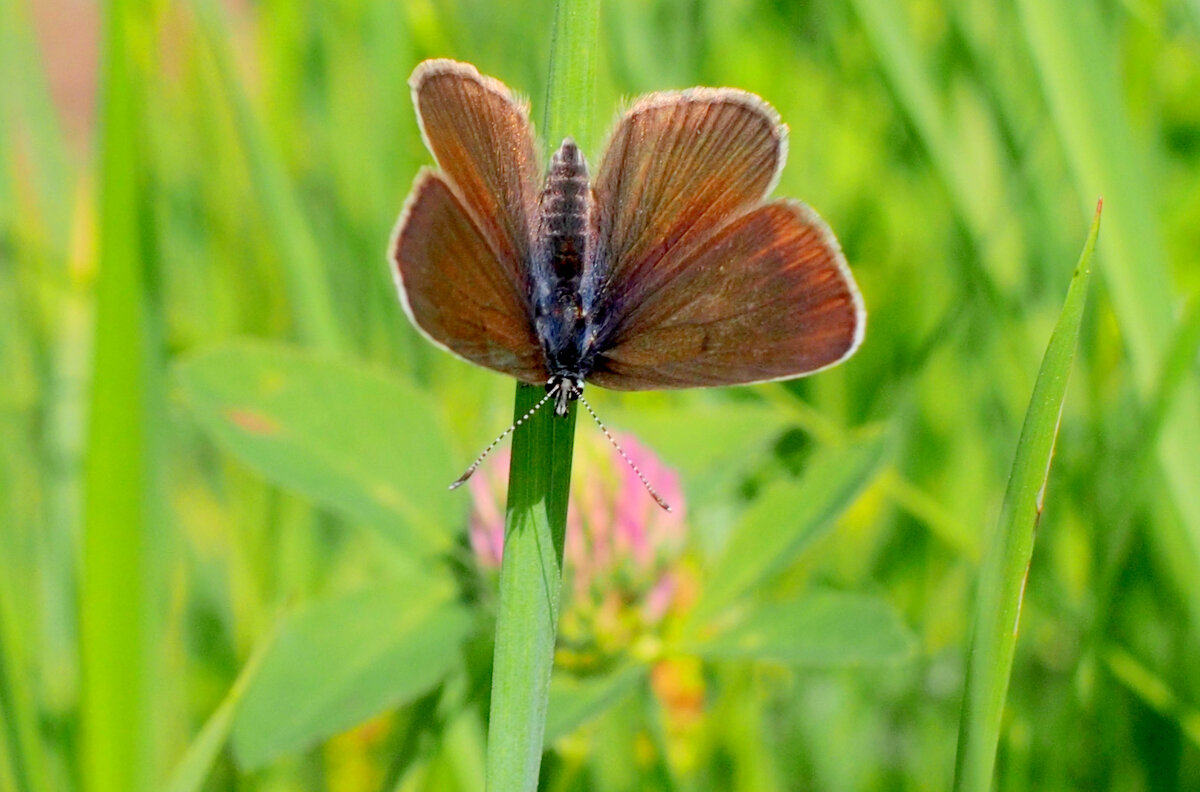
670,269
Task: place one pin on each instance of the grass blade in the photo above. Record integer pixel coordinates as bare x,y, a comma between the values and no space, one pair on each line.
197,761
115,596
787,518
1002,581
539,478
315,316
1084,92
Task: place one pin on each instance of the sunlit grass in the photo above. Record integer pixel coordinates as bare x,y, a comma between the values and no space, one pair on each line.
249,189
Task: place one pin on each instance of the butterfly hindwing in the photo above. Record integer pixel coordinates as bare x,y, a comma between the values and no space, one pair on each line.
454,288
767,297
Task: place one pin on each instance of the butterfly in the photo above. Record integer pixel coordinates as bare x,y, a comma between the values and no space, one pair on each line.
669,269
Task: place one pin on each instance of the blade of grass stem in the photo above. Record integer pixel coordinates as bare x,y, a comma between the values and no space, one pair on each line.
116,743
307,286
193,768
1006,566
1085,96
539,478
1154,691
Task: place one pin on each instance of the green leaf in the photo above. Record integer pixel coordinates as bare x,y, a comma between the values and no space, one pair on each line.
193,769
826,629
346,659
1002,579
575,700
788,517
1154,692
359,442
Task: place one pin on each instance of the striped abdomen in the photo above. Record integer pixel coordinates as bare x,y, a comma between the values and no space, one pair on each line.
560,251
564,211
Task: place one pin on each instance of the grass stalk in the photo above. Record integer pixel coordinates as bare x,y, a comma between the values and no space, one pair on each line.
539,477
316,318
114,597
1070,45
1006,567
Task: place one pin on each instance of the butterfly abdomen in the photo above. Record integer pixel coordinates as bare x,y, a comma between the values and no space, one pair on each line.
560,253
565,211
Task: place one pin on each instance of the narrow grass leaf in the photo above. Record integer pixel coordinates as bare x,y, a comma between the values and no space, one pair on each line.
357,441
1154,691
788,517
576,700
824,629
1002,579
307,284
345,659
1085,93
193,769
539,477
115,594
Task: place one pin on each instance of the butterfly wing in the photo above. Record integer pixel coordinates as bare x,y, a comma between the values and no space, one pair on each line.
461,245
705,284
483,142
454,287
677,166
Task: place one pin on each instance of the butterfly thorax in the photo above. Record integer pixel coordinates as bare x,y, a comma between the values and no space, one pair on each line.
562,317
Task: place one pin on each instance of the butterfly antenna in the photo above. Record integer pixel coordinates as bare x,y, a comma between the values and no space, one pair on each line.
479,459
653,493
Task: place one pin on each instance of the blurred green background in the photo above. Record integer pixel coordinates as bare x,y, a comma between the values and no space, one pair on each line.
253,539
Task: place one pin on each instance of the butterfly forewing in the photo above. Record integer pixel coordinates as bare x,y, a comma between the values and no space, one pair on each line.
678,165
454,287
483,142
767,297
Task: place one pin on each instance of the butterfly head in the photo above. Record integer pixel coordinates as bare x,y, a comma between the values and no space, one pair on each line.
564,389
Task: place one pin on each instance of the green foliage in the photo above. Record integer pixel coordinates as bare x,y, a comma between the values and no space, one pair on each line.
788,518
1006,566
354,440
574,700
194,528
348,658
826,629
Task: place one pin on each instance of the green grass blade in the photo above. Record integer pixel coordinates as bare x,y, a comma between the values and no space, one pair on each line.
530,581
189,775
571,89
1085,94
307,285
539,478
787,518
115,595
1002,580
